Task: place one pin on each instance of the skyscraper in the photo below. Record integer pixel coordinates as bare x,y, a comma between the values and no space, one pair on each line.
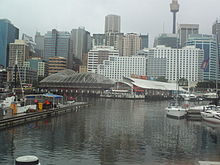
209,44
132,44
39,40
144,41
112,24
216,30
184,30
8,34
81,42
57,44
167,39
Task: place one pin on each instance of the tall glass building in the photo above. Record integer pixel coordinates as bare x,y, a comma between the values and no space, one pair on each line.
8,34
211,56
57,44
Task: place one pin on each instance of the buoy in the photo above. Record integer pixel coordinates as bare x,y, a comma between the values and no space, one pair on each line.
27,160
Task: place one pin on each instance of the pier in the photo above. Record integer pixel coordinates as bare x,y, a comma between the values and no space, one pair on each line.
35,116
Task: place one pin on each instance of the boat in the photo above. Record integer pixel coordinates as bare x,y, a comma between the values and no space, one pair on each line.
175,110
212,116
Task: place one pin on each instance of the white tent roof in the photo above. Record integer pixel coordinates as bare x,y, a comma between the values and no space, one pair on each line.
149,84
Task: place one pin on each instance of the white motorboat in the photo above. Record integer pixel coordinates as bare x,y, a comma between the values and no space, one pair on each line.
174,110
212,116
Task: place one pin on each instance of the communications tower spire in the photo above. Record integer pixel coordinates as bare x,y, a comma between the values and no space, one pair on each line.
174,8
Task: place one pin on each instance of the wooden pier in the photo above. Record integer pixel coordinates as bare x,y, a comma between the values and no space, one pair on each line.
35,116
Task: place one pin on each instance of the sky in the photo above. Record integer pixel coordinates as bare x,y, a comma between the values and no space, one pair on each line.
139,16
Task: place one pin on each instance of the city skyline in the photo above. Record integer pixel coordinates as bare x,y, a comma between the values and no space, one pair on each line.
153,16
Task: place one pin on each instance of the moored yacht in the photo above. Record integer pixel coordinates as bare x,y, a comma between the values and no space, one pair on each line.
212,116
174,110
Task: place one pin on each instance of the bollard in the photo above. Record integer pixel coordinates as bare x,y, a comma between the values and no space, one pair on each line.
27,160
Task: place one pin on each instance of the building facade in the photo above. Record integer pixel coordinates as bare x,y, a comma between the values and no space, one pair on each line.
39,48
8,34
57,44
98,40
174,64
97,55
144,41
208,43
167,39
117,67
56,64
132,44
112,24
38,65
216,30
18,51
81,42
184,30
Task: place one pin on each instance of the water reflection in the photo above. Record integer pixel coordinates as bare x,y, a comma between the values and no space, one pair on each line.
113,132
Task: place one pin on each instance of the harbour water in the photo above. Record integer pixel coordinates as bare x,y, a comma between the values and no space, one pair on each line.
113,132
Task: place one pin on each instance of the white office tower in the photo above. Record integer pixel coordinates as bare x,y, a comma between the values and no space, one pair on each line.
98,54
175,63
117,67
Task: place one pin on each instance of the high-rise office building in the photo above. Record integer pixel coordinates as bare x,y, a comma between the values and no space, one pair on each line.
112,24
18,52
216,30
117,67
97,55
174,64
31,44
81,42
57,44
8,34
167,39
132,44
208,44
39,40
184,30
56,64
144,41
98,40
38,65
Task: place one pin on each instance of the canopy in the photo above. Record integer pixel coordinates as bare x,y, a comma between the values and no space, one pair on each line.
53,96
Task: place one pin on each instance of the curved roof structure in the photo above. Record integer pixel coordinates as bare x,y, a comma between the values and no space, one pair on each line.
149,84
69,78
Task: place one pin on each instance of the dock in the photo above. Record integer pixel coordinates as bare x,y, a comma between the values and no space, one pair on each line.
193,115
23,118
208,163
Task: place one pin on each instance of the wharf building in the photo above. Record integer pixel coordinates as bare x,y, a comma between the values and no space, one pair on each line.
56,64
117,67
8,34
39,40
167,39
70,82
58,44
208,43
174,64
98,54
184,30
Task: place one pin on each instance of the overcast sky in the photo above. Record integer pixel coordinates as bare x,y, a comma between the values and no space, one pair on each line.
140,16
